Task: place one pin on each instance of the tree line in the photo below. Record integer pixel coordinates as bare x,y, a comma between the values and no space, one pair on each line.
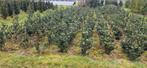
137,6
13,7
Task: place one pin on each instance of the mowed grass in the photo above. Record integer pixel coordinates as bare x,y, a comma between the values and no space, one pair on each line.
13,60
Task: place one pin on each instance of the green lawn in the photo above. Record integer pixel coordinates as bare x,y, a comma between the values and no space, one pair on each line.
13,60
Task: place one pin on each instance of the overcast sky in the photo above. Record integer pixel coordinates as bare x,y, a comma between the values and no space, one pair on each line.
62,2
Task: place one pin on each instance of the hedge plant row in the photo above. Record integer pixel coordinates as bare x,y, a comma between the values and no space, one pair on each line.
61,26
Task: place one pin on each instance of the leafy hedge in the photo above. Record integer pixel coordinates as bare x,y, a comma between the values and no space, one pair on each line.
2,38
144,10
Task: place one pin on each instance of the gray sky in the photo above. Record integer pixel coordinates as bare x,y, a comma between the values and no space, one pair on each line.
68,3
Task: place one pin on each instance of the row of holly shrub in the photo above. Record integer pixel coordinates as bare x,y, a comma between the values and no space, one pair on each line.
61,26
13,7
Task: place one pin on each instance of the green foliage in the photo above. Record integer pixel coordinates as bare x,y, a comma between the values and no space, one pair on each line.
3,9
94,3
133,44
3,36
63,30
1,40
132,27
145,45
136,5
144,9
86,37
133,47
97,3
12,7
61,25
109,23
106,39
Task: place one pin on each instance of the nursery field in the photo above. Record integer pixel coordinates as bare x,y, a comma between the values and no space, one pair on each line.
72,37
